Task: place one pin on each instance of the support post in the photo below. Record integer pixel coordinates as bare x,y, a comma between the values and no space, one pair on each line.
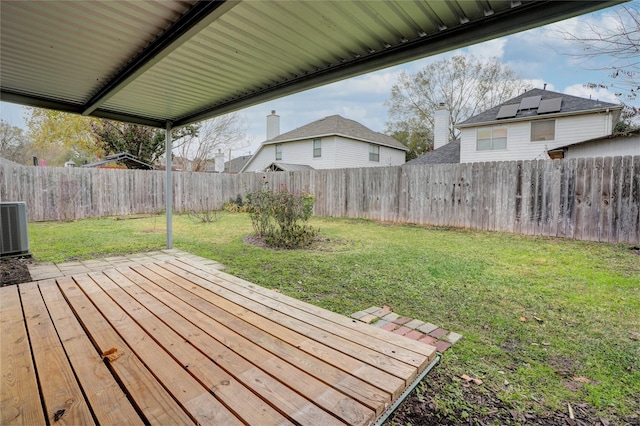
168,191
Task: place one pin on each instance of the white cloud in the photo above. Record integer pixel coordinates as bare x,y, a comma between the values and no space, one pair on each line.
488,49
536,83
584,92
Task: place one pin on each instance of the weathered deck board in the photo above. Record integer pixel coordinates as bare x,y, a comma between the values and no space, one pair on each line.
193,346
19,384
108,402
63,399
154,402
299,348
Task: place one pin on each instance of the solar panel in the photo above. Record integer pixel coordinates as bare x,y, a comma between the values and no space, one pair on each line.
507,111
530,103
550,105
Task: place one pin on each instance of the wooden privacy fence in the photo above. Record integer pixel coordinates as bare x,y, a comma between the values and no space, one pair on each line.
586,199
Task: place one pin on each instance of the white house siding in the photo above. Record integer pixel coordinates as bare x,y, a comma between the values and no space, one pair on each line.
569,130
605,148
337,153
262,159
352,153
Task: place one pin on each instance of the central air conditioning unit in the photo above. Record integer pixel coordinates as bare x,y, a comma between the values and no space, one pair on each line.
14,240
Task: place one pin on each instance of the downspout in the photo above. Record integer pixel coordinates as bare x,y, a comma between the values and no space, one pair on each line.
168,190
407,391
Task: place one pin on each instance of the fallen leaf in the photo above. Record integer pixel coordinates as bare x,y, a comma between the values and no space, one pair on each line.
115,356
112,354
465,378
538,319
109,352
477,381
388,308
581,379
523,319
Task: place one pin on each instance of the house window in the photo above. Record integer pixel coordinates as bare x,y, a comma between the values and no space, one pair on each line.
278,151
489,138
374,152
544,130
317,148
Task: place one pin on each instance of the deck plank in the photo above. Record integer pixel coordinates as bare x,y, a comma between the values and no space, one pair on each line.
264,363
108,402
304,324
63,398
19,386
193,346
322,362
383,341
197,401
139,304
153,401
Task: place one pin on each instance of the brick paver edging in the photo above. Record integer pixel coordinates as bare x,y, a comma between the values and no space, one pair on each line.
413,329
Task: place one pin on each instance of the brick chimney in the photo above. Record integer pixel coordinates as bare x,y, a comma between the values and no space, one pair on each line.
441,126
273,125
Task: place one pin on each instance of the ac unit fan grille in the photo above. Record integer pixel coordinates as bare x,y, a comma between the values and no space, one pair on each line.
13,229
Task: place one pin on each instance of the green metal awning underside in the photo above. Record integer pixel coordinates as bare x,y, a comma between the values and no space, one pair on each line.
179,62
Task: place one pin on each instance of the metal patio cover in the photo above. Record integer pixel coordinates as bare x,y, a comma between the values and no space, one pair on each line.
173,63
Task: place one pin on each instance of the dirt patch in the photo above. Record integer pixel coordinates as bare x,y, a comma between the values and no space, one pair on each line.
477,405
318,244
14,270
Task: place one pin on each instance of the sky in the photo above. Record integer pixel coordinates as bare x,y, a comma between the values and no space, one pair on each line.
539,56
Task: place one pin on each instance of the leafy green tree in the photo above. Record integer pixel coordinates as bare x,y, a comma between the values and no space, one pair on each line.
60,136
465,84
414,135
146,143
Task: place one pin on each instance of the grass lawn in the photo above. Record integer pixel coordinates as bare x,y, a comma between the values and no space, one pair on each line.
578,345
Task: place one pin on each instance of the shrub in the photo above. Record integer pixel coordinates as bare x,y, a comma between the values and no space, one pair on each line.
280,217
204,211
234,205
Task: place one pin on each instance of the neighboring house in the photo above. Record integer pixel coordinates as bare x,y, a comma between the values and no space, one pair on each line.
236,164
332,142
129,160
446,154
618,144
534,123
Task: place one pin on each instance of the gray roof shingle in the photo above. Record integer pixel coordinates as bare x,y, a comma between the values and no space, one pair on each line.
446,154
570,104
337,125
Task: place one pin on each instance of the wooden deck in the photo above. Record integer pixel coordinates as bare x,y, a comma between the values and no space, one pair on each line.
175,342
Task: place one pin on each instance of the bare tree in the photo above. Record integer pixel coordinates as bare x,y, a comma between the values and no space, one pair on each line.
617,41
13,143
465,84
217,134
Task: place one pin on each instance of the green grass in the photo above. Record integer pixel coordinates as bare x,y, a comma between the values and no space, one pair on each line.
476,283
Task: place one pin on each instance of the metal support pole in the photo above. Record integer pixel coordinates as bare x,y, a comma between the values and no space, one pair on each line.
168,191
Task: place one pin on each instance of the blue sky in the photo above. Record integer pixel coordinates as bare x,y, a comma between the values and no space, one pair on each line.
536,55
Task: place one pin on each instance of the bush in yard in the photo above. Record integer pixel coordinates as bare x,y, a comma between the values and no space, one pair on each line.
234,205
280,217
